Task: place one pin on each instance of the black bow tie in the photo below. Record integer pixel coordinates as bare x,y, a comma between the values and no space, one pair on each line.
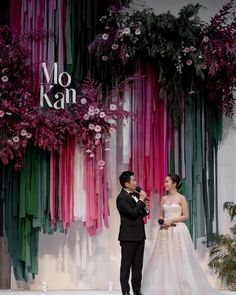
131,194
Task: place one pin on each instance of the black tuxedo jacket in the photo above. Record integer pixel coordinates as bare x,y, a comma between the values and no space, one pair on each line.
131,215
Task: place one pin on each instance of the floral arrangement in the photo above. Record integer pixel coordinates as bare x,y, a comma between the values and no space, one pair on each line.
23,121
190,55
219,49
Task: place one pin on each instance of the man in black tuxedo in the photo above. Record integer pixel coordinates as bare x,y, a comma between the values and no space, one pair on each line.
132,208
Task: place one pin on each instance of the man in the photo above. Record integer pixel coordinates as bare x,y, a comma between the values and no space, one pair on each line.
132,209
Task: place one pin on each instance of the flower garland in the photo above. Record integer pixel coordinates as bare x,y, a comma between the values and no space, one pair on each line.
23,121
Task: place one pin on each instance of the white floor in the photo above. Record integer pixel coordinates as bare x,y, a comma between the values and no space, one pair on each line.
77,292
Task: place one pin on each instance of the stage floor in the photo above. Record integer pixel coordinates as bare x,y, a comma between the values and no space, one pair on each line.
77,292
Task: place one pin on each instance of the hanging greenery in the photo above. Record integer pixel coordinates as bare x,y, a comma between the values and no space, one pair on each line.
223,252
189,54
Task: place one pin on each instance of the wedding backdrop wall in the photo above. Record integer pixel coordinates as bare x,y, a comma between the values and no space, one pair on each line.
88,89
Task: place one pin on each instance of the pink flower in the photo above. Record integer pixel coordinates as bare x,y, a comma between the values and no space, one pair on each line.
111,130
101,168
107,149
203,66
83,101
91,108
91,126
8,113
102,115
205,39
91,155
97,142
28,135
10,141
1,113
101,163
88,151
98,136
189,62
113,107
98,128
137,31
23,132
186,50
4,70
86,117
193,49
114,46
16,139
97,111
191,92
4,78
105,36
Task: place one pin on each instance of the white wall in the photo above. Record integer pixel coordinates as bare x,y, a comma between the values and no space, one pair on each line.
74,261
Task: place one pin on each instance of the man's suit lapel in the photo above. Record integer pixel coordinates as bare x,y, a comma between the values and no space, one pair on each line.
129,198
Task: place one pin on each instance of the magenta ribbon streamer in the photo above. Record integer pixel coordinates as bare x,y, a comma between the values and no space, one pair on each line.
149,146
39,19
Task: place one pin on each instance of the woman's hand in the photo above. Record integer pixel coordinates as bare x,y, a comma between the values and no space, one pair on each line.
168,222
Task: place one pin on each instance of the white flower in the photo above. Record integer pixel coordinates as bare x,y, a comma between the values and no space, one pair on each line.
98,128
107,149
91,108
191,92
91,126
102,115
88,151
97,111
1,113
4,78
91,113
83,101
186,50
203,66
23,132
193,49
126,31
101,163
86,117
137,31
105,36
98,136
205,39
16,139
113,107
10,141
104,58
200,57
9,114
28,135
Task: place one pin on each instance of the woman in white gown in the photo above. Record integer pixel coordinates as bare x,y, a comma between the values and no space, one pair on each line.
173,268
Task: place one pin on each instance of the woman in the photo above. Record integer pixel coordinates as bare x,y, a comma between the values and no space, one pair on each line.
173,268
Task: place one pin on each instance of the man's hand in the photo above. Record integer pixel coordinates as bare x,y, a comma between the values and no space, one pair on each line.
142,196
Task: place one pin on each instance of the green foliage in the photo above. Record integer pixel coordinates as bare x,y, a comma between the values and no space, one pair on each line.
223,252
